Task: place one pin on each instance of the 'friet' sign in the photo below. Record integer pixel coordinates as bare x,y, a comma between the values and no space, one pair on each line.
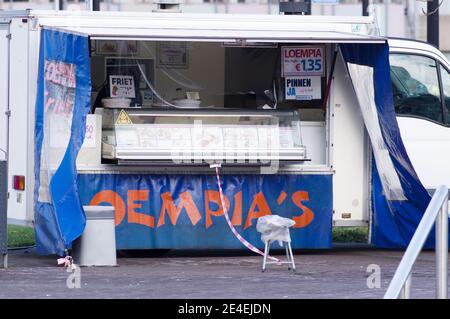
122,86
303,60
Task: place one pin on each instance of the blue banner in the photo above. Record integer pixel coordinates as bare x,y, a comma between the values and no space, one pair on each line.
393,221
184,211
62,102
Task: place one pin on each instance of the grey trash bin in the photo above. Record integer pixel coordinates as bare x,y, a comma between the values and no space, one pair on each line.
97,245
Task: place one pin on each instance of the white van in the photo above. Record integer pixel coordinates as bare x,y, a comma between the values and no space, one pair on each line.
421,87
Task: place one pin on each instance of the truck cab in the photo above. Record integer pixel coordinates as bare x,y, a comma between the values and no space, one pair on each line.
420,76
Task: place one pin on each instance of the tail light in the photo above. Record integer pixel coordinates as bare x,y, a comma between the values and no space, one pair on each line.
19,182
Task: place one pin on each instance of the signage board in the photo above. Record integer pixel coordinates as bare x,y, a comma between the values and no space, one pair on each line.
303,60
303,88
121,86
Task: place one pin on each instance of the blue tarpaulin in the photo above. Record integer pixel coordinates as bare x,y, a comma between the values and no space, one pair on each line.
62,102
394,217
184,211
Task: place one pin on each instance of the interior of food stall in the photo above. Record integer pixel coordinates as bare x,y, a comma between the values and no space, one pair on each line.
265,98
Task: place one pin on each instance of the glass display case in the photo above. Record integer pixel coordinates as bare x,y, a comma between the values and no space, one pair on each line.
200,136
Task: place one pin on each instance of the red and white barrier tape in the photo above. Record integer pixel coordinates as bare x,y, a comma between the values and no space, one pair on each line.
225,212
67,262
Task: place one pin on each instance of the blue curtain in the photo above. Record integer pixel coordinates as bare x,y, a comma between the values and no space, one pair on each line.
63,100
394,221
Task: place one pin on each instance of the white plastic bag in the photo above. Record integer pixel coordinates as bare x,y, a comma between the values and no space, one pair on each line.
274,227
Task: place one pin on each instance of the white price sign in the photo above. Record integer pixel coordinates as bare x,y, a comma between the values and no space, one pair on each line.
303,60
121,86
91,132
303,88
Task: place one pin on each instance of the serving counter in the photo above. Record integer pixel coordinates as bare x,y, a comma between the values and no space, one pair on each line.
201,136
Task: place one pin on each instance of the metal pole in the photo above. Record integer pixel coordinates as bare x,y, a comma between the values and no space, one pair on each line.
386,17
406,291
89,5
365,5
95,5
433,22
442,251
415,22
425,226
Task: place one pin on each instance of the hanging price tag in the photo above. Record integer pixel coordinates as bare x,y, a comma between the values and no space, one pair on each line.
304,60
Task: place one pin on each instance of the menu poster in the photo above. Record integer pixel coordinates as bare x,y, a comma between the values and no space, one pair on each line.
181,137
147,136
164,136
173,55
268,137
230,137
213,138
248,137
208,137
286,137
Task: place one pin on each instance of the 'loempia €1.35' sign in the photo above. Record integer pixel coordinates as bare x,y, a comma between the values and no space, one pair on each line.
303,60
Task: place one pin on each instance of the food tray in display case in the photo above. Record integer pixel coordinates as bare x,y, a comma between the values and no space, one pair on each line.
202,136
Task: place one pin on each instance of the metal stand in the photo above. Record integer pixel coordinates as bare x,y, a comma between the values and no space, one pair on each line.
289,256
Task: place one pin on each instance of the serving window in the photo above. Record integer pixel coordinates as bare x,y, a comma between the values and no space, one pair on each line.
211,78
211,74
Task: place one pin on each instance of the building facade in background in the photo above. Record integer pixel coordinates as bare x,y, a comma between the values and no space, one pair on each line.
395,18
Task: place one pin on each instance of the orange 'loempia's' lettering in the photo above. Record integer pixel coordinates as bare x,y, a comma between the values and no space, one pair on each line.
307,217
259,207
237,214
214,197
135,197
110,197
173,211
264,209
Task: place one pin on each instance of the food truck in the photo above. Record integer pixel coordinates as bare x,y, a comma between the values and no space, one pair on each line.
314,118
